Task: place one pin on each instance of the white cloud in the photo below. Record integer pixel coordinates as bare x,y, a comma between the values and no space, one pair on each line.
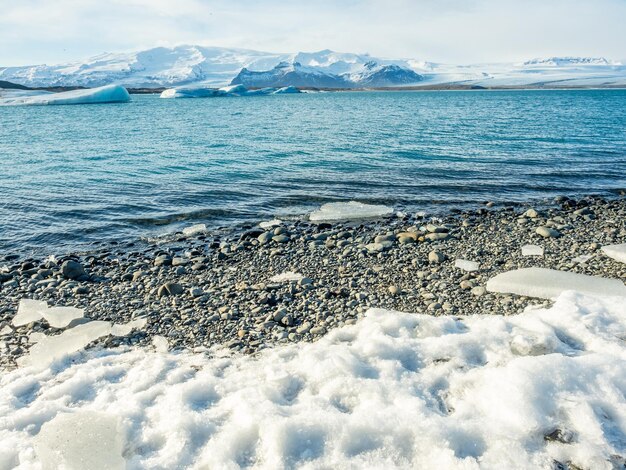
34,31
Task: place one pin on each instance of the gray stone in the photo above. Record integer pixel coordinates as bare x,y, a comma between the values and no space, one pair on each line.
436,257
72,270
548,232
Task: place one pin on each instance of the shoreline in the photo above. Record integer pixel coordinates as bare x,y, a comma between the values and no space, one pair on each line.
216,288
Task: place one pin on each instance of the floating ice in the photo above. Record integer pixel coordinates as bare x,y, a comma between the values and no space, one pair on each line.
393,391
81,440
271,223
466,265
196,91
532,250
288,276
349,211
194,230
29,311
549,283
60,317
105,94
617,252
51,348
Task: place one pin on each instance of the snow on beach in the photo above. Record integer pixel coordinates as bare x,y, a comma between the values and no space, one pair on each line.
394,390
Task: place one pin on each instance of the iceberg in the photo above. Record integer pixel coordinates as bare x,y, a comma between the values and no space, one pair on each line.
335,211
546,283
231,90
105,94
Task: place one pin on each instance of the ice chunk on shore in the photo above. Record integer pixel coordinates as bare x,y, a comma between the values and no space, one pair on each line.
532,250
105,94
126,328
194,229
271,223
160,344
28,311
466,265
617,252
334,211
60,317
81,440
549,283
288,276
51,348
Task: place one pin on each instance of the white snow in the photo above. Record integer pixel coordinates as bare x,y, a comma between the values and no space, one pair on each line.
105,94
532,250
617,252
550,283
393,391
466,265
288,276
352,210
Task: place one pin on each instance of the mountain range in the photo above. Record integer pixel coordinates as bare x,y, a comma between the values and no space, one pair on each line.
215,66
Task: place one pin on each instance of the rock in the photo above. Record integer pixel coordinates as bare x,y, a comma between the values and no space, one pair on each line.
436,257
163,260
281,238
195,292
479,291
436,229
72,270
531,213
437,236
548,232
304,328
394,290
318,330
265,238
375,247
170,288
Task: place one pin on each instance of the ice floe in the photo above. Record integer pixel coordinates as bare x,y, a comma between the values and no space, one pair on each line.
546,283
393,391
198,91
352,210
105,94
617,252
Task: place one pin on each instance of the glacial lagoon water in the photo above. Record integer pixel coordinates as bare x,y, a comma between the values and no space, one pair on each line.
74,175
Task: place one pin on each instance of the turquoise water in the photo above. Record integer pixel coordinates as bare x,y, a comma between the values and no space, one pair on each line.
73,175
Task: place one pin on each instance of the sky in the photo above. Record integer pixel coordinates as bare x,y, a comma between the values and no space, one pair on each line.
451,31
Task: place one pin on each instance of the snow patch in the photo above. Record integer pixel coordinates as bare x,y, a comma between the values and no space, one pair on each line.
393,391
352,210
550,283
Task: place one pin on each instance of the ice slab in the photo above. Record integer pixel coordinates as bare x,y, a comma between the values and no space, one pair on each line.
349,211
60,317
160,344
546,283
127,328
271,223
617,252
532,250
466,265
81,440
105,94
51,348
194,229
288,276
29,311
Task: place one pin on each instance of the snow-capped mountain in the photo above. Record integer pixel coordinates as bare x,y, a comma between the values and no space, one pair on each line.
369,74
216,66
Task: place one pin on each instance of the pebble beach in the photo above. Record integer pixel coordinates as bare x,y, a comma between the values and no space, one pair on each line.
290,281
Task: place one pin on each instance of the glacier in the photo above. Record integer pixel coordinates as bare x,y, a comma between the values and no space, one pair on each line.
216,67
395,390
104,94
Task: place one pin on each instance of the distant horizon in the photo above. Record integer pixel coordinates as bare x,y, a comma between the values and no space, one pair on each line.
34,32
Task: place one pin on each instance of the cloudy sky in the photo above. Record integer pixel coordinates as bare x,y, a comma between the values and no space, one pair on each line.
455,31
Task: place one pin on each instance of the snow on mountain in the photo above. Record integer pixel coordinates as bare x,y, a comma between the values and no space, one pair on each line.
215,66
